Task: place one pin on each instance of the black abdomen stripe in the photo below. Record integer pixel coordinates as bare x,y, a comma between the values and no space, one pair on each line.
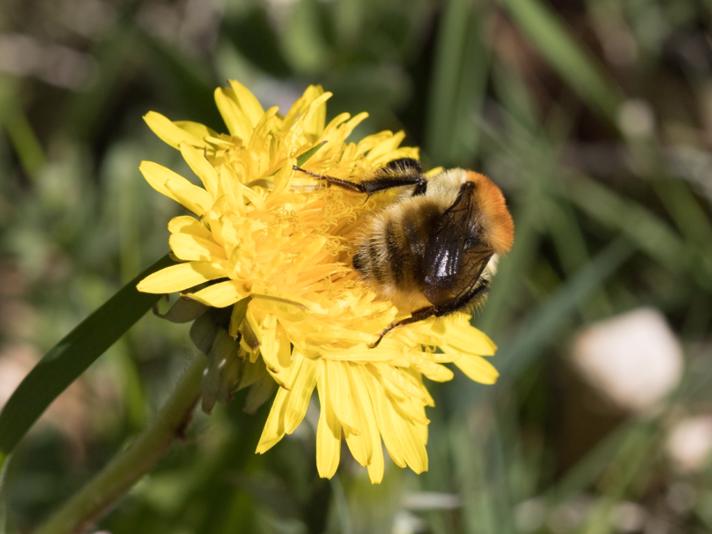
392,254
395,258
374,258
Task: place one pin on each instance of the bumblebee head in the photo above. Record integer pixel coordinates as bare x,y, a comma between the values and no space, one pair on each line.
496,220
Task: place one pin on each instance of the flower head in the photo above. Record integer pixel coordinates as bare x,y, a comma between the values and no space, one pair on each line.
263,232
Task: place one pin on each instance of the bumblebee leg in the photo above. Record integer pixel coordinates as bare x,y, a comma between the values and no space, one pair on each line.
374,185
417,315
407,169
436,311
332,180
404,166
388,182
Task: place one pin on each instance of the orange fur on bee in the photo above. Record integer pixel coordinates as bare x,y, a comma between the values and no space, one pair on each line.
497,222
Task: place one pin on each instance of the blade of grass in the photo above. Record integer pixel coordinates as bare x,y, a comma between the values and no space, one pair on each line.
90,107
69,358
304,44
634,221
513,268
185,78
457,89
538,154
248,28
581,475
540,327
477,497
577,68
635,456
19,131
544,322
691,220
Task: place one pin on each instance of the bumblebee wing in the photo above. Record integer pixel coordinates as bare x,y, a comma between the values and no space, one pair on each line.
454,256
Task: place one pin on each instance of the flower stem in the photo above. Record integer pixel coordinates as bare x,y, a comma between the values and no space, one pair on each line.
84,508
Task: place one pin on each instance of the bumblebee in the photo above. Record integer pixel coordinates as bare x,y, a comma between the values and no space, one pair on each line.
434,250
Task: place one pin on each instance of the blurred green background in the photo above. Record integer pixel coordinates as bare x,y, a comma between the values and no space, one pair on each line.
595,116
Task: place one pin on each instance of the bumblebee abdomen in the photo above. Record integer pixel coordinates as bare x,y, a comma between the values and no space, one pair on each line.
390,254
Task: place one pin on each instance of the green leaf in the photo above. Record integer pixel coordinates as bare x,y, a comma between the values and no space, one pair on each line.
3,506
69,358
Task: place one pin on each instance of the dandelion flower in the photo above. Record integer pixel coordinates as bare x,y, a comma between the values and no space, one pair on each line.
260,231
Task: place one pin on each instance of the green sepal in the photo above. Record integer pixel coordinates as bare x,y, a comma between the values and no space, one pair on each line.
183,310
304,156
217,335
203,332
259,393
222,354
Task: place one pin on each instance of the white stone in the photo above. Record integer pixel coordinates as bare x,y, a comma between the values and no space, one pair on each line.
689,443
634,359
405,522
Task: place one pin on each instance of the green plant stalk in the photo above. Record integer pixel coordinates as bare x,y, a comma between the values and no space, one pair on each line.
91,502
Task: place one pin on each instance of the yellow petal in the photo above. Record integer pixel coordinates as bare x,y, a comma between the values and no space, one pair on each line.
403,440
275,350
175,133
300,395
273,430
385,147
188,247
180,277
477,369
434,371
248,102
218,295
185,224
175,187
328,440
411,409
375,466
202,168
350,125
197,130
411,445
337,381
236,121
464,337
328,448
337,122
391,438
360,444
